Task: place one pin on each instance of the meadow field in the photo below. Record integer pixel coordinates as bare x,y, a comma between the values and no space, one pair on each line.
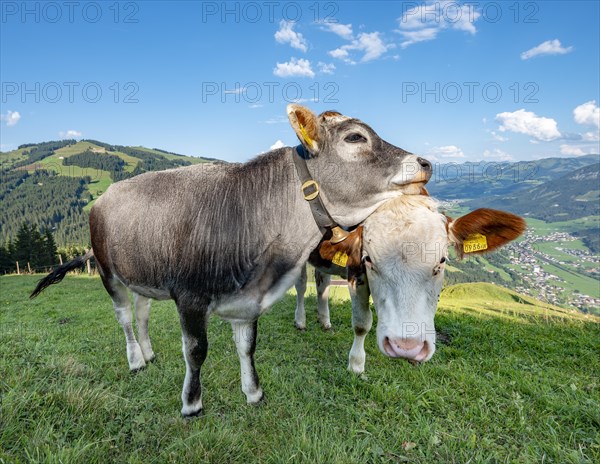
513,380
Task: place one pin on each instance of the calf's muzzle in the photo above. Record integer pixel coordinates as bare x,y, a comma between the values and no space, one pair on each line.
412,349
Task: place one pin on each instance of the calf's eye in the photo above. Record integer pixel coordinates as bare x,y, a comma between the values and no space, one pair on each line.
355,138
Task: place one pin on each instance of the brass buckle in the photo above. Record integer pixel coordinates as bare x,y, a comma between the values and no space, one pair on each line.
311,195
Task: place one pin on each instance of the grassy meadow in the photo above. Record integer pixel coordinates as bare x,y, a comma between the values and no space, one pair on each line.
513,380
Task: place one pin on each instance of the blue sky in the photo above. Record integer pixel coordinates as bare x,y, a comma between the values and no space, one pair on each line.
449,81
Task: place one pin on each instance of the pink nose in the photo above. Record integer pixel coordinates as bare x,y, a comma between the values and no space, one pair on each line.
407,348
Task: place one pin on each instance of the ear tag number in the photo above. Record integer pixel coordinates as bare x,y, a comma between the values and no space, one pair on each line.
475,242
340,258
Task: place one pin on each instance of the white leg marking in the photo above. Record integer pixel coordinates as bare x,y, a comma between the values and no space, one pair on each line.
134,352
244,335
300,316
142,315
323,281
190,407
362,320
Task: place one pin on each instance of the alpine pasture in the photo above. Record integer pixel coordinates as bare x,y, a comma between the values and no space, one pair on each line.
513,380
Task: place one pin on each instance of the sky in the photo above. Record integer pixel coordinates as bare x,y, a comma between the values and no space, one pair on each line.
450,81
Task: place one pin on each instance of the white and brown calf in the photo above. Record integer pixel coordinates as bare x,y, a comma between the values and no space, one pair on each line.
398,256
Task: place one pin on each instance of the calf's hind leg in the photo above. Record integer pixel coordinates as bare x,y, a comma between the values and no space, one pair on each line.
300,316
122,305
244,335
142,315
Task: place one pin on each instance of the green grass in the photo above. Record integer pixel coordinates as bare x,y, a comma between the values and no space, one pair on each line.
542,228
191,159
516,382
8,158
573,281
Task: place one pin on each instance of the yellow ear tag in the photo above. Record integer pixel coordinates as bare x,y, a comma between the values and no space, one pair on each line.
340,258
305,135
475,242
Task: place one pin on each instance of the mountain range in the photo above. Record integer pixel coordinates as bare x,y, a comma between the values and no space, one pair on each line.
53,184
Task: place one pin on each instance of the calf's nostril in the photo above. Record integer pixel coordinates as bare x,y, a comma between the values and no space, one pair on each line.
424,163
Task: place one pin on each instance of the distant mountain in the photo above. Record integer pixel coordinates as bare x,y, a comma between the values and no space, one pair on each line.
571,196
53,184
453,181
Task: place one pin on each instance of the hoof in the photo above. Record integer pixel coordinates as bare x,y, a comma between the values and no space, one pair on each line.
193,415
137,370
260,401
151,359
326,327
300,327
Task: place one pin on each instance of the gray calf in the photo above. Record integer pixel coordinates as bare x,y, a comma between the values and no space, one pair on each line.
230,239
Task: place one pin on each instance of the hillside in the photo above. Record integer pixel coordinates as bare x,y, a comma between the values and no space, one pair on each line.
509,382
490,299
480,180
572,196
53,184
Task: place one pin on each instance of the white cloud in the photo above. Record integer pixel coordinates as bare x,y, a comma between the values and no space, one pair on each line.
527,122
294,67
423,22
591,136
340,53
422,35
256,105
278,144
326,68
447,151
277,120
577,150
587,114
286,34
498,137
549,47
11,118
343,30
497,154
70,134
369,43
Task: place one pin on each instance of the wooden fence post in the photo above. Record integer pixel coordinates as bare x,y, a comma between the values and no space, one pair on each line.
28,267
18,270
60,259
89,267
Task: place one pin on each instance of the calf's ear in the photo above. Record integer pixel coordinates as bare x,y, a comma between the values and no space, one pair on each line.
305,124
346,253
484,230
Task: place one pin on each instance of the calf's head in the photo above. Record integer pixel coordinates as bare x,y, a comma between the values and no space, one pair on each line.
356,170
404,252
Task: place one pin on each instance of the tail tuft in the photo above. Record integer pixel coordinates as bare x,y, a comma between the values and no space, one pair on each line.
59,273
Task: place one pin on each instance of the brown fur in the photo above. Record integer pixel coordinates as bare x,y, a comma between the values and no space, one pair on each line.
498,227
352,246
301,116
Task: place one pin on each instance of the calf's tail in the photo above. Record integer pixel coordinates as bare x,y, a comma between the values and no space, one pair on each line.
59,273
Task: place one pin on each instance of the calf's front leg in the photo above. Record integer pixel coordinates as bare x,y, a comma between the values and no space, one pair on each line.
193,320
323,282
362,320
